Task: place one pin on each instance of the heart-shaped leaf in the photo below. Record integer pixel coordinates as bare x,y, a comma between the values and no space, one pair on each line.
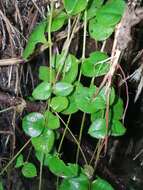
59,103
98,129
103,94
85,101
110,13
98,114
44,74
117,128
19,161
76,183
74,7
44,158
59,168
100,184
33,124
42,91
117,109
94,5
68,68
29,170
44,143
37,36
62,89
72,108
58,21
94,65
52,121
98,31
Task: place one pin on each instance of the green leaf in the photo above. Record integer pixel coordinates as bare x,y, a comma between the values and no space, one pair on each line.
1,185
117,128
98,129
68,69
19,161
75,6
71,75
42,157
72,108
29,170
42,91
44,143
102,93
59,103
117,109
44,74
98,114
77,183
37,36
62,89
100,184
52,121
58,21
94,5
110,14
59,168
85,101
98,31
33,124
93,67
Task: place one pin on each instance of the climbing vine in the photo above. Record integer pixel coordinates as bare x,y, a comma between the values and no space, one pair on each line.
62,90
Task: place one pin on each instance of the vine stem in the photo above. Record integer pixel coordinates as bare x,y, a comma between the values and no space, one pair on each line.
50,39
64,133
76,141
83,57
67,45
10,162
41,169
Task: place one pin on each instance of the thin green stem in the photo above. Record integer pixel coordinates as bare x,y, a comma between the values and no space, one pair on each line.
41,169
76,141
80,136
84,42
50,39
64,133
10,162
66,46
83,57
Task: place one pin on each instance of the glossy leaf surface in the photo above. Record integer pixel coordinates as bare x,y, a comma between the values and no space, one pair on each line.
72,107
44,143
94,65
52,121
29,170
117,128
77,183
42,91
59,103
100,184
98,129
85,101
62,89
59,168
33,124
